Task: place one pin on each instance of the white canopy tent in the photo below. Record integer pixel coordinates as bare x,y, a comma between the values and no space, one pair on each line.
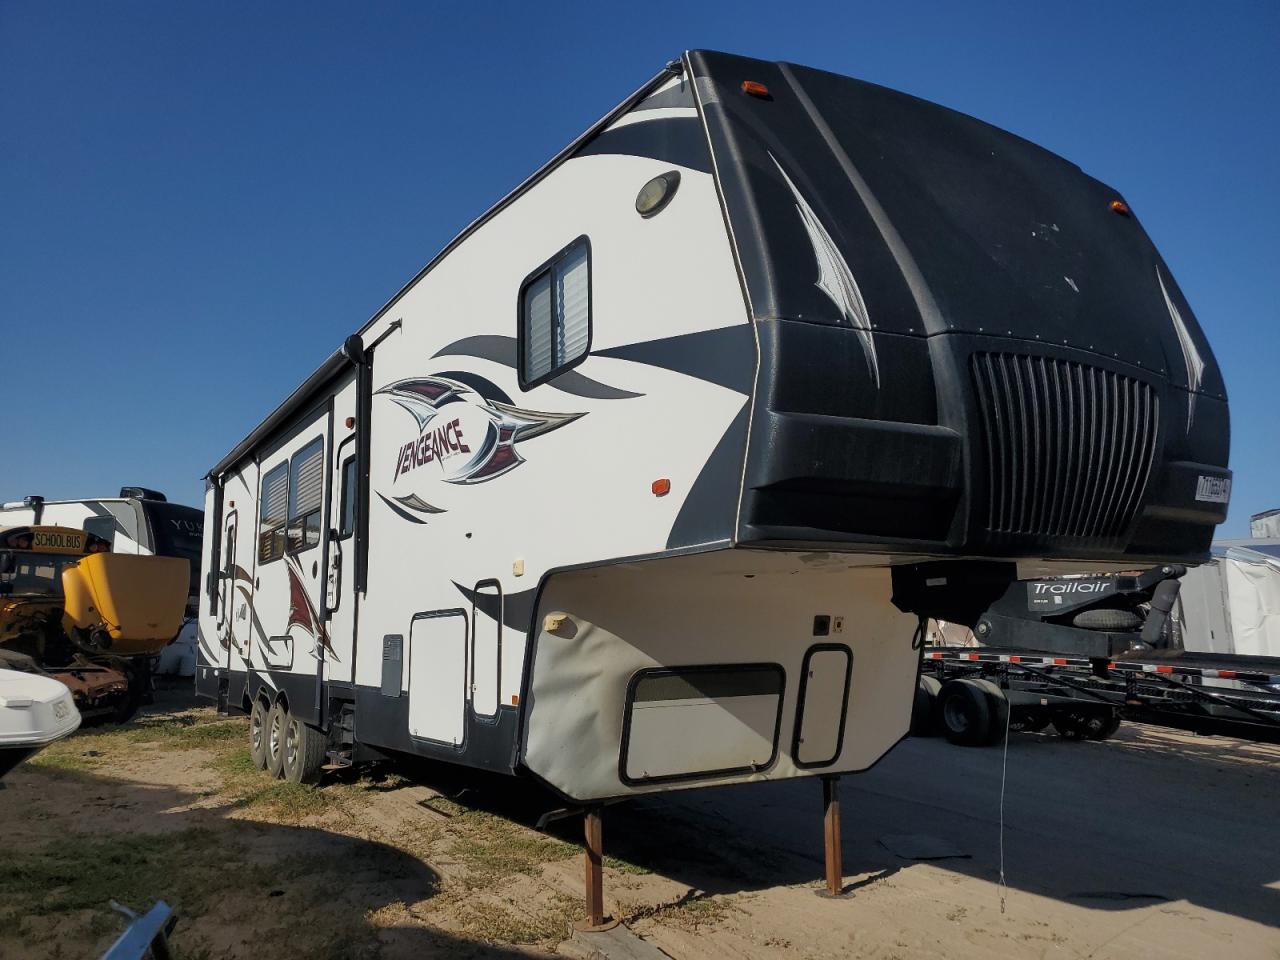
1231,605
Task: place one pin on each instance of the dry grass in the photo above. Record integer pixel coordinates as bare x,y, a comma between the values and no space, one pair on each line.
492,848
98,749
231,893
546,922
691,913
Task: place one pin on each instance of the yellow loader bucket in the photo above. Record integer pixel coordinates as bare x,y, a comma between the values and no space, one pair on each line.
124,603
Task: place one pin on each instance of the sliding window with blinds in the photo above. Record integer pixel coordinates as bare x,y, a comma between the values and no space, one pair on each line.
271,515
555,315
306,495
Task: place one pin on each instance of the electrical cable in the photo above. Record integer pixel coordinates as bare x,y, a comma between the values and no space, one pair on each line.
1004,770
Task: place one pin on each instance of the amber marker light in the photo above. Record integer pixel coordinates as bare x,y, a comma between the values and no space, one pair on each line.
1120,207
755,88
350,422
661,487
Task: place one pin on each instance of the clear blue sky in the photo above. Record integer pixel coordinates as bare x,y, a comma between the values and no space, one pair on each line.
198,201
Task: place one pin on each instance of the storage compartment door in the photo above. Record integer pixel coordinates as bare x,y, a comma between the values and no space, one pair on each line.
696,721
824,702
438,676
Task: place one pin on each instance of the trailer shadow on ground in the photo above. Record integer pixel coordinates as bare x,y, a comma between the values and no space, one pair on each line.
237,888
168,807
1151,816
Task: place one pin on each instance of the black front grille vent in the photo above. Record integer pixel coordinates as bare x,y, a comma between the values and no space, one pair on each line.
1068,446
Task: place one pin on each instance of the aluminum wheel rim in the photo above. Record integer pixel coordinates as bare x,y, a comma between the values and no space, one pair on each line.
275,736
255,731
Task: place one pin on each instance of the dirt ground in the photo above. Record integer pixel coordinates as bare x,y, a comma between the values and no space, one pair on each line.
1155,844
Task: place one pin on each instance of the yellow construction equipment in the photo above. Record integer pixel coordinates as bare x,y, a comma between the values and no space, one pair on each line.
122,603
71,609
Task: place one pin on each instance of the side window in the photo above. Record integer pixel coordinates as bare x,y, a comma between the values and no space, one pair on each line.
271,506
104,527
348,497
555,315
306,496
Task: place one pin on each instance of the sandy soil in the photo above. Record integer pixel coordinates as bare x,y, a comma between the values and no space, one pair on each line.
1156,844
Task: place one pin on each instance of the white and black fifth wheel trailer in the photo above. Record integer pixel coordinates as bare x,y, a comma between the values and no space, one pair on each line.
617,491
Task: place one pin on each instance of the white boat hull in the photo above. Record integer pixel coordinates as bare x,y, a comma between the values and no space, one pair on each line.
35,711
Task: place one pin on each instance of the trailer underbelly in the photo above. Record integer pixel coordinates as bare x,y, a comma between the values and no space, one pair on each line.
715,668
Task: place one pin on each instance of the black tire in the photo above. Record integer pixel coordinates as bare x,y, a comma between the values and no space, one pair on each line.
964,712
1096,724
999,708
1069,724
277,721
127,707
258,714
924,709
1107,619
139,682
1101,726
304,750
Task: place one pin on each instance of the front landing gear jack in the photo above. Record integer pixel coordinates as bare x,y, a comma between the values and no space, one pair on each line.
593,857
831,838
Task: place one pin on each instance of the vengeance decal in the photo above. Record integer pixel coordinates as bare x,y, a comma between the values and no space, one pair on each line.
433,445
462,436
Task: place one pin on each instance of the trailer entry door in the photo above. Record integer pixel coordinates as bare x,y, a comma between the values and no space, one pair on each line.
438,676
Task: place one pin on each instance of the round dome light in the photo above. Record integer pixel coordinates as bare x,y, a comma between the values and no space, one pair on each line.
657,193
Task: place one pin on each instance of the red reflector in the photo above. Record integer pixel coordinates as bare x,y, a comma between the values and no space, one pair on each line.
1059,662
972,656
1227,674
661,487
1164,669
755,88
1015,659
1120,207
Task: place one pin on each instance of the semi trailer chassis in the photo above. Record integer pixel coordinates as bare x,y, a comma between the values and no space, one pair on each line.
969,695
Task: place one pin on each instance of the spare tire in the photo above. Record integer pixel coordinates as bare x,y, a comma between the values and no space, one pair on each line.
1108,619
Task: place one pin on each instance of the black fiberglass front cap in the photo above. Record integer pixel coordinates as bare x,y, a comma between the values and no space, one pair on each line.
967,343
